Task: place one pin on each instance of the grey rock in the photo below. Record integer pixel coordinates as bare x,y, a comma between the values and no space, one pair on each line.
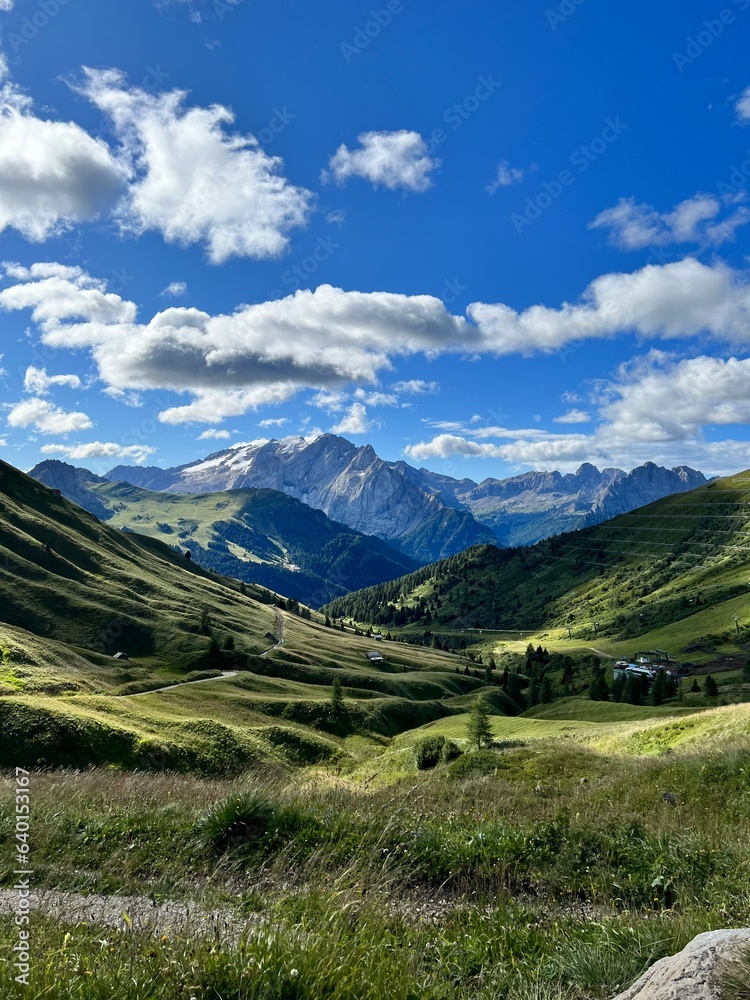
690,975
425,514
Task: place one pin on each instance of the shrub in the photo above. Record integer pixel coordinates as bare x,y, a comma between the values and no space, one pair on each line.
474,764
427,752
237,821
451,751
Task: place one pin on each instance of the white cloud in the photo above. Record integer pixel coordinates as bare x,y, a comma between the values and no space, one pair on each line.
38,381
6,4
683,299
274,422
43,416
375,398
331,340
655,410
137,453
174,290
633,227
574,417
506,176
393,159
416,387
331,402
125,396
355,421
195,182
742,107
214,434
52,174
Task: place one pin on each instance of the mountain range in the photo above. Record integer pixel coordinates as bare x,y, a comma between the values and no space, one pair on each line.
257,536
426,515
675,569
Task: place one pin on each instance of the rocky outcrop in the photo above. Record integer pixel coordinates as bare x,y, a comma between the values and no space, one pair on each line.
351,485
692,974
425,514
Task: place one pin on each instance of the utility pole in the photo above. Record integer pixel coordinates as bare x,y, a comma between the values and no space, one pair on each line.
736,623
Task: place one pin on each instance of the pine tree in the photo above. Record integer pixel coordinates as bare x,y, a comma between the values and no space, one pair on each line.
746,672
337,698
546,694
633,693
658,689
710,688
479,730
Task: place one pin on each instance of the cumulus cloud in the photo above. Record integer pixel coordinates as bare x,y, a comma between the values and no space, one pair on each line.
573,417
332,340
656,409
174,290
6,4
137,453
52,174
214,434
376,398
683,299
37,381
742,107
43,416
391,159
506,176
355,421
632,226
194,181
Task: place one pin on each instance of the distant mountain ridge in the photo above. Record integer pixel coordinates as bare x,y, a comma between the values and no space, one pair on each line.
255,535
424,514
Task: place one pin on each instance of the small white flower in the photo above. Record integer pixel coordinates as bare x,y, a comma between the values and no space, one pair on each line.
294,973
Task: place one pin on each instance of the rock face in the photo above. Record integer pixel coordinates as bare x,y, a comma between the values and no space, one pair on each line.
691,975
422,513
351,485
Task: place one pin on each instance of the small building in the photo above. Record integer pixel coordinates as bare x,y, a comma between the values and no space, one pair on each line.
375,657
378,637
121,656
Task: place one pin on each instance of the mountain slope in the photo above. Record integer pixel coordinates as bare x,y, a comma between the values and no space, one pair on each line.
351,485
258,536
73,591
683,559
424,514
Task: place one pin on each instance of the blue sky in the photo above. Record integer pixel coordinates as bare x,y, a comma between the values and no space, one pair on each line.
485,237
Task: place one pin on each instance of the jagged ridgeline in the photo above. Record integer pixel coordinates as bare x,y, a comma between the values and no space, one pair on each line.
259,536
682,558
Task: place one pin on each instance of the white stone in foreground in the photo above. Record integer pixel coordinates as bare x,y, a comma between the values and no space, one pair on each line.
689,975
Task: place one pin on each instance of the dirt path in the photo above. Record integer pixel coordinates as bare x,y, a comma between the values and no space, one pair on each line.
181,684
137,913
600,652
279,633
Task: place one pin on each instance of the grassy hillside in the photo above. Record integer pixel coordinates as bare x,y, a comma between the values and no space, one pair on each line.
74,591
258,536
671,575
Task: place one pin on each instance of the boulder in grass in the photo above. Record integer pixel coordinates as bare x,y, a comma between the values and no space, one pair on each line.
692,974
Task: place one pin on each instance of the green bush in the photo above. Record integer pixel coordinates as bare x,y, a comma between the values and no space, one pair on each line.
474,764
451,751
428,752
